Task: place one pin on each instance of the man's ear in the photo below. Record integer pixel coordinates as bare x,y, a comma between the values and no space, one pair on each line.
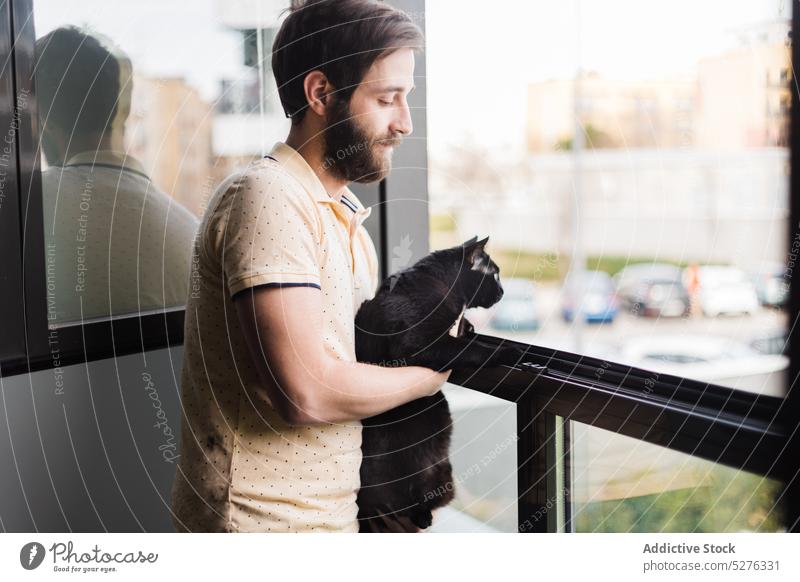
318,90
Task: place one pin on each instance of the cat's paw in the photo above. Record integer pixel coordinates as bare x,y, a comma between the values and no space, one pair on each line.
465,327
422,518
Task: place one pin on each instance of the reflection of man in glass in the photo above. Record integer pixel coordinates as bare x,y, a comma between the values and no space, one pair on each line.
115,243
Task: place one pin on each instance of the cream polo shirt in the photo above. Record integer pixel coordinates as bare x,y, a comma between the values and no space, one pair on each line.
242,468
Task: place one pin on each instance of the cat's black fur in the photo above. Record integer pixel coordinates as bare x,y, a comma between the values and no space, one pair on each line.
405,471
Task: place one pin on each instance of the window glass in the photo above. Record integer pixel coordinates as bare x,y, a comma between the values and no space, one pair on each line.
483,453
637,184
143,108
620,484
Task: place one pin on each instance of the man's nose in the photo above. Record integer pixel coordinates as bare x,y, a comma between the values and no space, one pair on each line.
402,121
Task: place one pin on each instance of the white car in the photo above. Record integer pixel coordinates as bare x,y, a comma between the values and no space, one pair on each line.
714,359
726,290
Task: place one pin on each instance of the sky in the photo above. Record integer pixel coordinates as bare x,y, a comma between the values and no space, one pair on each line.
480,55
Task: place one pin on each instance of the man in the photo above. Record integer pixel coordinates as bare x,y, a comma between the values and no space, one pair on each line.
115,243
271,391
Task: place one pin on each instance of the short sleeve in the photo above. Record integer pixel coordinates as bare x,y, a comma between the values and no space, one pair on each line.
269,232
372,257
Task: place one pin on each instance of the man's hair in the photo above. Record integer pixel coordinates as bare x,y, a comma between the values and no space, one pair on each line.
340,38
77,82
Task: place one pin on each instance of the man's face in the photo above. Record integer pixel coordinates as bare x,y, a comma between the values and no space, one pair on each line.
361,135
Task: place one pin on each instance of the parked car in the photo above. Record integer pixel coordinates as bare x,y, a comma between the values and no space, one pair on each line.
593,294
517,310
713,359
772,285
726,290
652,289
773,342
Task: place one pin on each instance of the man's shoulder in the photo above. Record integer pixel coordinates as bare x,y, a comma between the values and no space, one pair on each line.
250,194
259,178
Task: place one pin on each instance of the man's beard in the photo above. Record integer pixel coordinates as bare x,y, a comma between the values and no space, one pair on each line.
349,151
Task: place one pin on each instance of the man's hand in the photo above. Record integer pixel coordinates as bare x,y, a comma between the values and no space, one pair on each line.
441,380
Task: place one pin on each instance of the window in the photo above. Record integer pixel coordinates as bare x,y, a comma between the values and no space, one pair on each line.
127,125
124,138
648,232
650,220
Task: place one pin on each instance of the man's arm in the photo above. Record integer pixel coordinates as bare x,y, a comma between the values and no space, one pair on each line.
283,329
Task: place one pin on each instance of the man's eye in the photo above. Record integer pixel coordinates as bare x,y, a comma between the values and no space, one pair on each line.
382,102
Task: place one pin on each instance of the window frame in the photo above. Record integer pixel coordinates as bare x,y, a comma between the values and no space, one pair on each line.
12,340
790,412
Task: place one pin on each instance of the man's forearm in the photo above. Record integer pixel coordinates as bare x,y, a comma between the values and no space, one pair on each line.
353,390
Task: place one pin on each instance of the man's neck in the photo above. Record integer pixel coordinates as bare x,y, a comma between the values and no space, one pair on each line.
74,147
311,148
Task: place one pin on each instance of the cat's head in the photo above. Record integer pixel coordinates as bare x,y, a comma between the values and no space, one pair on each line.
480,279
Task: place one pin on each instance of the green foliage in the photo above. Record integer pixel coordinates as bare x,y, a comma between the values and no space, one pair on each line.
442,223
543,267
730,501
613,265
525,265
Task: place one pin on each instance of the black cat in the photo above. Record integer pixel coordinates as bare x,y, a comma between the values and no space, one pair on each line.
405,471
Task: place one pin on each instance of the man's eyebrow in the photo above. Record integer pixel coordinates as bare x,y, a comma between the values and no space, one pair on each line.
394,89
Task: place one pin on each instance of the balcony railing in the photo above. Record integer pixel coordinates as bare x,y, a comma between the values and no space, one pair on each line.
722,425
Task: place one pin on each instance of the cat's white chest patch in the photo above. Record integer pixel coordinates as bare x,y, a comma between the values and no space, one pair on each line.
454,330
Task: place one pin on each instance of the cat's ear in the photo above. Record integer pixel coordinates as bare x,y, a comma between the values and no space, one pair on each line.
475,248
475,242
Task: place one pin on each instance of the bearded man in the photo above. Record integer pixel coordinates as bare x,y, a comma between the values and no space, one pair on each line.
271,390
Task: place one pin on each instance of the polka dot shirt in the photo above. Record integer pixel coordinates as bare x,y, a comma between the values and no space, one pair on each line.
242,468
